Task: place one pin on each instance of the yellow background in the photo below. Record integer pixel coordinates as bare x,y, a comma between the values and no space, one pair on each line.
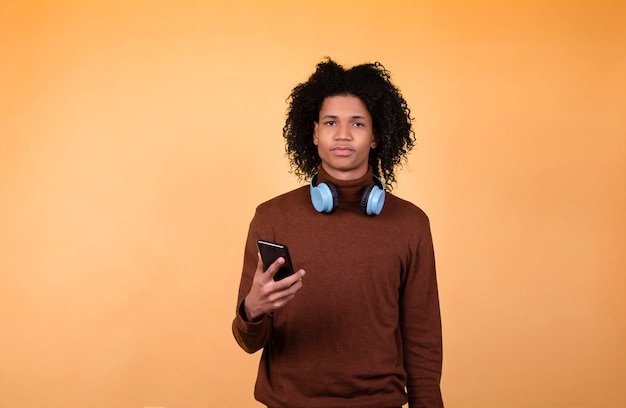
138,137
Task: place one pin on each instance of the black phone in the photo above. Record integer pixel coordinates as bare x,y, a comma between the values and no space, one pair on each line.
270,252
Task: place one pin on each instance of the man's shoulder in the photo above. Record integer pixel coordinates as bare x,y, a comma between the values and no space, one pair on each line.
405,213
286,201
405,206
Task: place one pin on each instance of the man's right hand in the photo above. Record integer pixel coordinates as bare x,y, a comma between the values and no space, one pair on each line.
267,295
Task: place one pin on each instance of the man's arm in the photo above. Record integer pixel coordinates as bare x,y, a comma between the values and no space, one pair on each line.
420,321
252,325
259,295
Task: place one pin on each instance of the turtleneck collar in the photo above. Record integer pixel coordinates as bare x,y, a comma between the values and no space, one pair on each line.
350,191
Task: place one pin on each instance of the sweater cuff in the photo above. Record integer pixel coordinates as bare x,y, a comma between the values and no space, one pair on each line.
244,317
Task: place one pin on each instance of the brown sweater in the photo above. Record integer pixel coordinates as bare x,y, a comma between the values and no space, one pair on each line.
366,323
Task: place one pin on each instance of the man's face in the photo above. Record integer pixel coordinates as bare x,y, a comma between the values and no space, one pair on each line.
344,136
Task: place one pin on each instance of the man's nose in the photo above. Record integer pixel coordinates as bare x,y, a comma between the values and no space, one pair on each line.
344,131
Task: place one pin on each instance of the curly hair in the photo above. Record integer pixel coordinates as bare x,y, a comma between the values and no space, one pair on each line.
371,82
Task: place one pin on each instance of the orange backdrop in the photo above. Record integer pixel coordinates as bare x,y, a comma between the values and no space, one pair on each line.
138,137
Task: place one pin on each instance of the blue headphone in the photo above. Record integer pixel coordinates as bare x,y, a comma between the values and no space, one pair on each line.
326,199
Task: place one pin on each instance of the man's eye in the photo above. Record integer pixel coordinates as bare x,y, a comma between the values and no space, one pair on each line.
330,123
358,124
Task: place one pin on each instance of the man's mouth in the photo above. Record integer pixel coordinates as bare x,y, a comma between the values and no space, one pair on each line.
342,150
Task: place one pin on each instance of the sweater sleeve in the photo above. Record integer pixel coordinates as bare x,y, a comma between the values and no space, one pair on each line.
421,325
251,336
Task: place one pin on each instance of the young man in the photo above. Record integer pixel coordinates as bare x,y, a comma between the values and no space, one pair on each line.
363,328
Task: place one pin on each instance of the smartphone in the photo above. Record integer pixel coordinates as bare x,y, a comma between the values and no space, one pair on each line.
270,252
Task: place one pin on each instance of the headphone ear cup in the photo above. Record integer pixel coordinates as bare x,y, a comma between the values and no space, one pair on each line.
373,198
365,198
324,196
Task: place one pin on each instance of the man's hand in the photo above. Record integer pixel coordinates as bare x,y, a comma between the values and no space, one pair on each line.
266,295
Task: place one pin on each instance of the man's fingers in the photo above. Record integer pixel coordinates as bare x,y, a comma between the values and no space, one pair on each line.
275,267
259,263
284,296
289,281
272,269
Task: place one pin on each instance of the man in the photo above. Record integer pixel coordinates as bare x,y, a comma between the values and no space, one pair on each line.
363,328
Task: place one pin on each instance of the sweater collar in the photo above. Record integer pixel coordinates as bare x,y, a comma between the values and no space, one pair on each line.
350,191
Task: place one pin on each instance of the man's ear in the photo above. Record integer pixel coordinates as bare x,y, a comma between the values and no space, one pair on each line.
315,129
374,141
